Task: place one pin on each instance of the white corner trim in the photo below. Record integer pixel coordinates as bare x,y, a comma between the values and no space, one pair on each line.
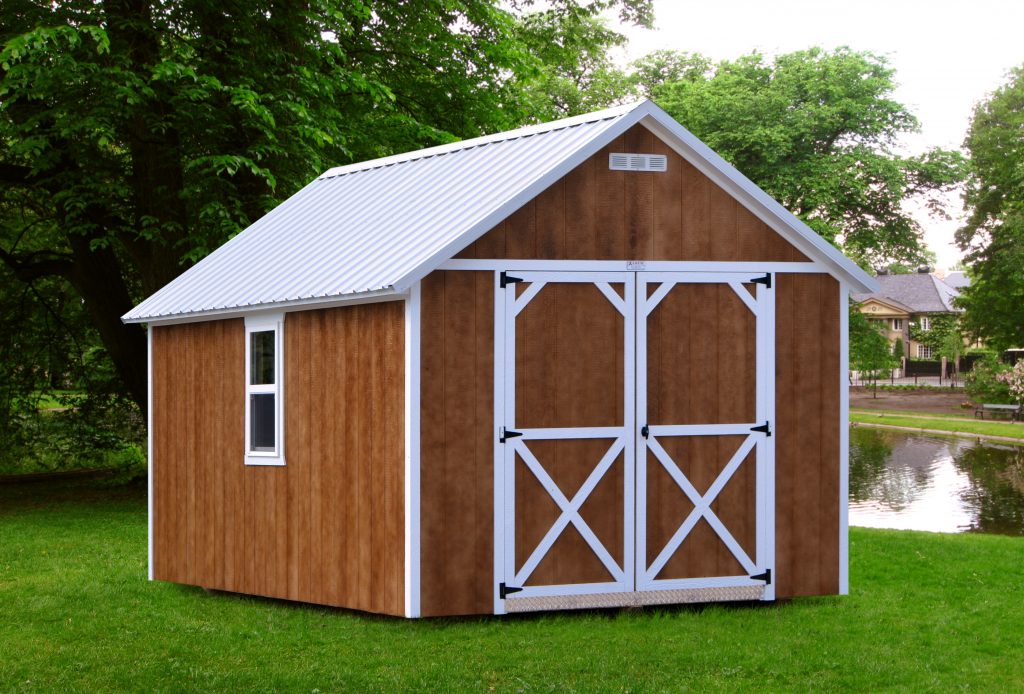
844,440
412,452
149,450
259,323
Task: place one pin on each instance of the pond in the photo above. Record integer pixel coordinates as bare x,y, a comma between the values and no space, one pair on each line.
917,482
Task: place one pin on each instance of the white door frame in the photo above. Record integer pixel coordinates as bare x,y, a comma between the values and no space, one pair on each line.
507,307
635,307
762,305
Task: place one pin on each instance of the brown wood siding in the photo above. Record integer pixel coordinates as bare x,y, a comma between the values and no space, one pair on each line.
807,441
457,444
594,213
329,526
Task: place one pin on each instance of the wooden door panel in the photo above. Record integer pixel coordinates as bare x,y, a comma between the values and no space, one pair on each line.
569,359
568,366
703,553
703,384
701,359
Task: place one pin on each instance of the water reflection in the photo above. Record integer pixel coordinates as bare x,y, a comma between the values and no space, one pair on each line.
916,482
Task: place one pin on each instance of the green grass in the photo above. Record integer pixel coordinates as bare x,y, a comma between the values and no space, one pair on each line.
939,423
966,414
58,399
926,613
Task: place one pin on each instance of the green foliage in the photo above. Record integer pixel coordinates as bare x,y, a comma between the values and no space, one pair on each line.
898,350
943,327
136,138
816,129
574,73
1014,380
869,350
983,382
994,232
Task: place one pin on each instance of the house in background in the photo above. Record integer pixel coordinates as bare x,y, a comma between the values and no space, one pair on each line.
905,300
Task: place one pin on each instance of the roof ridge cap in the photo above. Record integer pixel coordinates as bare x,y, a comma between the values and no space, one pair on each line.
494,138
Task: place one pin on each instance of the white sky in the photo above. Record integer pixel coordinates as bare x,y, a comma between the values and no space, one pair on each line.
947,55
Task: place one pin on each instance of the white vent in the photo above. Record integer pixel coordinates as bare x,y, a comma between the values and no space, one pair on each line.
622,161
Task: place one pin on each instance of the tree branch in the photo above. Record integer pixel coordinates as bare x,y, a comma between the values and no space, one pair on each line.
29,267
12,174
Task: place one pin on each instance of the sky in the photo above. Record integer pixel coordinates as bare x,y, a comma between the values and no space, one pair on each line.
947,55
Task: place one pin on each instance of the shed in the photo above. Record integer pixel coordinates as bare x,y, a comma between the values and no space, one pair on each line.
579,364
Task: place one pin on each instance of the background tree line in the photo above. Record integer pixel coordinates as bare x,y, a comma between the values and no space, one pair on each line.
135,137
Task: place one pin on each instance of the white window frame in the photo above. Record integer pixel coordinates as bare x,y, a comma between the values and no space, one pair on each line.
257,324
925,323
921,349
897,324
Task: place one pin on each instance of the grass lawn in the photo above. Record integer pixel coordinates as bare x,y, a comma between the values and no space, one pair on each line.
926,613
939,423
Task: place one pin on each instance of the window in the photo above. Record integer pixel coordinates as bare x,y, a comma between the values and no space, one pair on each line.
926,323
264,390
897,324
924,352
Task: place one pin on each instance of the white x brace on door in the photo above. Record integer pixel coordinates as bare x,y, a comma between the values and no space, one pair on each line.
633,453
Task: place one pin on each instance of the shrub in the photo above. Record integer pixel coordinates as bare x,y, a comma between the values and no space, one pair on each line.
985,384
1014,381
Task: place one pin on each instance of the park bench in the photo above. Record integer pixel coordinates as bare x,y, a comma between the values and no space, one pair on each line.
1011,411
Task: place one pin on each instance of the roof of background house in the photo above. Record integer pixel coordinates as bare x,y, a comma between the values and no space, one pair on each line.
375,228
957,279
919,292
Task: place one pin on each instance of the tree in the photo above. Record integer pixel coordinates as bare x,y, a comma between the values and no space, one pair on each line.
815,129
576,73
137,136
869,350
993,235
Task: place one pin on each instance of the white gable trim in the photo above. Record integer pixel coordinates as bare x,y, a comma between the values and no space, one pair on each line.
762,205
688,146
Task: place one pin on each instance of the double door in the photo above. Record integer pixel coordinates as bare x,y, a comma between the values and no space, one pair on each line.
633,456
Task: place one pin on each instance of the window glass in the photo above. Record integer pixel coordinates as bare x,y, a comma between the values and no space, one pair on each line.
262,430
261,370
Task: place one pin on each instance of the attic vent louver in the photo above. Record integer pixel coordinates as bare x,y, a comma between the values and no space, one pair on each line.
623,161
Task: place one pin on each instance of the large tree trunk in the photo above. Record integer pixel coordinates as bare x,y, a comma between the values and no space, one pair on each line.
97,276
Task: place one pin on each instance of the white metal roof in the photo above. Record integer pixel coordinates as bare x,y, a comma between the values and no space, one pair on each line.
376,227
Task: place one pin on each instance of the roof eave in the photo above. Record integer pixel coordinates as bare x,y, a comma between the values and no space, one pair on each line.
368,297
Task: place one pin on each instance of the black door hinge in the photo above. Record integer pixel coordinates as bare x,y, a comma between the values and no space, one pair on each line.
506,434
764,429
766,280
504,591
766,577
645,431
507,279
